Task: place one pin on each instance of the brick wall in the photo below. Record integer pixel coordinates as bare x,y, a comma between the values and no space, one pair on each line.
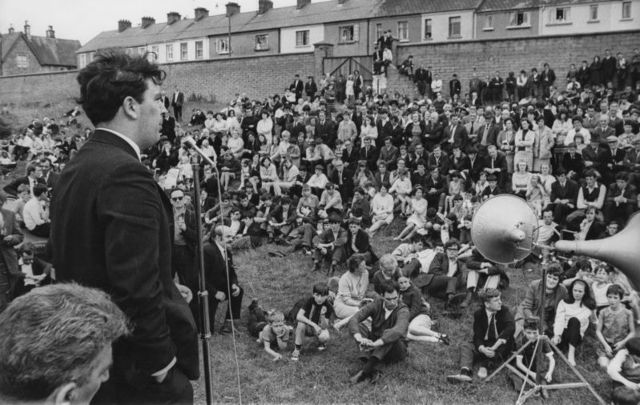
487,56
216,80
222,79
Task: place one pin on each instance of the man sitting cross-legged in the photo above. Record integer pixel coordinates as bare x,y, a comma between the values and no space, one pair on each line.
386,340
493,328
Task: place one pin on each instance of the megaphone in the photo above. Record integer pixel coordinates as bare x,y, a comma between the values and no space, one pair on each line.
505,229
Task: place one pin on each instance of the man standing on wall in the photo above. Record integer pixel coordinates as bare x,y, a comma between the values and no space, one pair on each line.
176,102
122,244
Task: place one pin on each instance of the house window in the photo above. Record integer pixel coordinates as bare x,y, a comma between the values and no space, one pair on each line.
378,30
349,33
142,50
593,12
155,49
262,42
560,15
169,50
488,23
626,9
302,38
519,19
428,29
403,31
83,60
22,61
198,49
184,51
454,27
222,45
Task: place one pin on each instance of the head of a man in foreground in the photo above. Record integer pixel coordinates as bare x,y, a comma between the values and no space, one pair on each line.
55,345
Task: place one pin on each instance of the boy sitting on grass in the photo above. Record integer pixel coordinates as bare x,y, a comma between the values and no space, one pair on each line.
527,357
313,319
275,335
615,326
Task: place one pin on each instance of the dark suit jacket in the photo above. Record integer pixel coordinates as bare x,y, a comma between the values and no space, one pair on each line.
460,136
371,157
179,101
569,191
112,229
215,270
7,250
505,325
576,164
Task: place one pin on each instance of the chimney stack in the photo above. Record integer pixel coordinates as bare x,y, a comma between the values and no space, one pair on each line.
123,25
172,17
50,32
201,13
302,3
264,6
11,29
147,21
232,9
27,28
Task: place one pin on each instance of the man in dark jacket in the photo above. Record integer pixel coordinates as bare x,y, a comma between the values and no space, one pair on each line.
386,340
492,343
221,278
112,230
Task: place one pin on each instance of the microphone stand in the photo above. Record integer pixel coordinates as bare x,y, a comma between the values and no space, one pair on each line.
203,294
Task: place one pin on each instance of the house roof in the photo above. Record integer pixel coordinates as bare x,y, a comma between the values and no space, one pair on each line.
48,51
7,42
504,5
275,18
389,8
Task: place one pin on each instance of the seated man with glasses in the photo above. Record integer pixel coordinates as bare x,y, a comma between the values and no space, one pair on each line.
386,340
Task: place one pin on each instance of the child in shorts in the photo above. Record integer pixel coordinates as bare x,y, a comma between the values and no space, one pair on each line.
275,335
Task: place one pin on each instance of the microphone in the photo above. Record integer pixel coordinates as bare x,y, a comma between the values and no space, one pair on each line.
190,142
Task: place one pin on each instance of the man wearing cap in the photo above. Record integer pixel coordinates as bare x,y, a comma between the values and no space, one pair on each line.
330,245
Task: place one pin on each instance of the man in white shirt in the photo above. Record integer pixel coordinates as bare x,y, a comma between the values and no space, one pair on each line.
35,216
577,129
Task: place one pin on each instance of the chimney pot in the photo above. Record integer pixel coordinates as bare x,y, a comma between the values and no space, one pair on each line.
11,29
173,17
302,3
27,28
123,25
201,13
147,21
50,32
264,6
232,9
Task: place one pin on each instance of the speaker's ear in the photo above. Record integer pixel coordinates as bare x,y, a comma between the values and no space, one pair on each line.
63,395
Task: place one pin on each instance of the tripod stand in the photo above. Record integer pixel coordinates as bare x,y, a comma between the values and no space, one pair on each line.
537,386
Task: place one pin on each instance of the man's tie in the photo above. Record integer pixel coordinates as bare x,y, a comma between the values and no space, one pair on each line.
492,335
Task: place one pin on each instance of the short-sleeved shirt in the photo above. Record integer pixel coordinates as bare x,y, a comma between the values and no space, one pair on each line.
615,324
313,311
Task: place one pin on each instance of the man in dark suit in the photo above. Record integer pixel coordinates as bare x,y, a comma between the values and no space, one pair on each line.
330,245
176,102
342,177
310,88
165,100
572,162
369,153
487,133
297,86
221,278
10,274
454,134
49,177
492,343
122,244
621,200
445,275
326,129
33,177
496,163
564,196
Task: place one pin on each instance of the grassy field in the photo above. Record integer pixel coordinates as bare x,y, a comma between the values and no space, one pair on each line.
322,377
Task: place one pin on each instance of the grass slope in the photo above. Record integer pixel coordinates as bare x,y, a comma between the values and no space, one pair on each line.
322,377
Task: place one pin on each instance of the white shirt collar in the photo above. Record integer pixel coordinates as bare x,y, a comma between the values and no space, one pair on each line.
128,140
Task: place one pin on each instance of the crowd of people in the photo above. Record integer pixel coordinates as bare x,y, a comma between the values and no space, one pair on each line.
321,174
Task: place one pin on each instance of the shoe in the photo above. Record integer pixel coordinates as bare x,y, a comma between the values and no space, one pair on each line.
482,373
322,347
228,328
444,339
295,356
375,377
459,378
467,300
357,377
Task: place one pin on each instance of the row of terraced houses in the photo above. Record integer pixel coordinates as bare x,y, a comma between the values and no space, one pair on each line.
353,26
